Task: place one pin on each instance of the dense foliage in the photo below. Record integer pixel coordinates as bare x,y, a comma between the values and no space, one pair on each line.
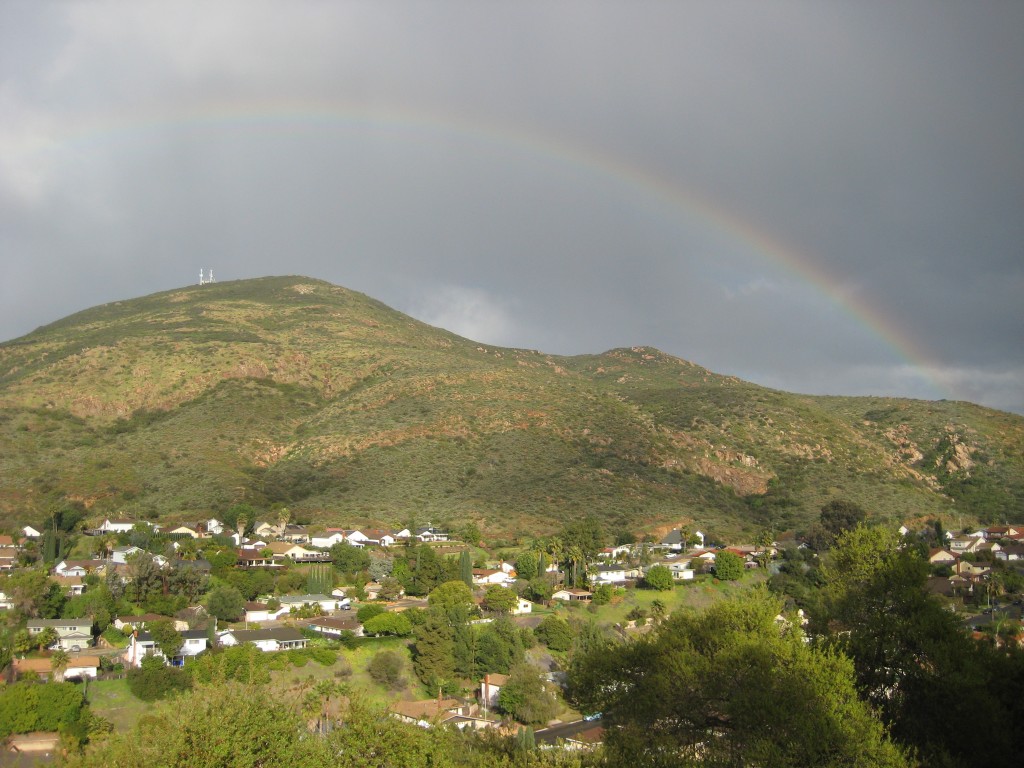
730,684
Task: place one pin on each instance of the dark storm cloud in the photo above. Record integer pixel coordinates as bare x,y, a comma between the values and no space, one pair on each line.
497,179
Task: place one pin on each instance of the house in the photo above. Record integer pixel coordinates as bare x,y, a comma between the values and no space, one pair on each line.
261,612
265,530
142,644
681,570
213,526
430,533
572,595
297,534
372,590
613,553
118,526
295,602
252,558
121,554
941,557
34,743
72,634
332,626
326,542
297,553
490,686
377,537
1011,552
963,544
81,667
427,713
127,624
41,667
487,576
267,640
522,606
355,538
78,567
185,530
613,574
30,533
72,585
6,601
8,558
674,540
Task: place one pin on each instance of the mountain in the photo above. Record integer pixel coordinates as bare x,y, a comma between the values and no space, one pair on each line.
289,390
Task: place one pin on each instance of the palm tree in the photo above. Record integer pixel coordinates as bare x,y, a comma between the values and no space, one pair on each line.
59,660
658,611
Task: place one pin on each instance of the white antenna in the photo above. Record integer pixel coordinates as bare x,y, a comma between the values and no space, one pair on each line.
211,280
201,280
204,280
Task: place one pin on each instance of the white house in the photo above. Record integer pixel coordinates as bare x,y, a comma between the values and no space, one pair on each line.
572,595
30,533
81,667
213,526
356,538
490,687
488,576
295,602
522,606
142,644
267,640
328,541
121,554
259,612
332,626
612,574
119,526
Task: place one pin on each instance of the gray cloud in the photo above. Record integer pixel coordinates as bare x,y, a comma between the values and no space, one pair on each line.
519,173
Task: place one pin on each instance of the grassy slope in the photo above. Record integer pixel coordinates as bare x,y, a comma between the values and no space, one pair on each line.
292,390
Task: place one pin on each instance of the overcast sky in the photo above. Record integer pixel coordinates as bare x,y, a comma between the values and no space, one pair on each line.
823,197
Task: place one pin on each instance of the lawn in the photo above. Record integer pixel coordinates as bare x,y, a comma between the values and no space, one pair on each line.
112,699
698,594
351,668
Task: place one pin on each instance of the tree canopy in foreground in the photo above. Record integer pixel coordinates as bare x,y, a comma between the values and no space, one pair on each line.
730,686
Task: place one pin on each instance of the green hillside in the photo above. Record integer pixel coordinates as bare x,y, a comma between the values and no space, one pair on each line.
293,391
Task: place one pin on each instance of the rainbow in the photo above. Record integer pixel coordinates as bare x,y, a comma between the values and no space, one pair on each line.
642,183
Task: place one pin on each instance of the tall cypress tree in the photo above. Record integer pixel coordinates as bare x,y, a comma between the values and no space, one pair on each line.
466,568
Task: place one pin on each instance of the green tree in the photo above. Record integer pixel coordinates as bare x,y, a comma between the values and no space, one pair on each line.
466,568
602,595
58,663
348,559
526,566
388,624
434,652
728,687
500,599
555,633
451,596
226,603
167,638
387,668
526,697
728,566
368,611
154,680
910,654
658,577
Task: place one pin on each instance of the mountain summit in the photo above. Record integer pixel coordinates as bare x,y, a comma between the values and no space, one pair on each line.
290,390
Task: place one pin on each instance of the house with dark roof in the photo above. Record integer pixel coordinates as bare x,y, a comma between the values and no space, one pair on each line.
274,639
